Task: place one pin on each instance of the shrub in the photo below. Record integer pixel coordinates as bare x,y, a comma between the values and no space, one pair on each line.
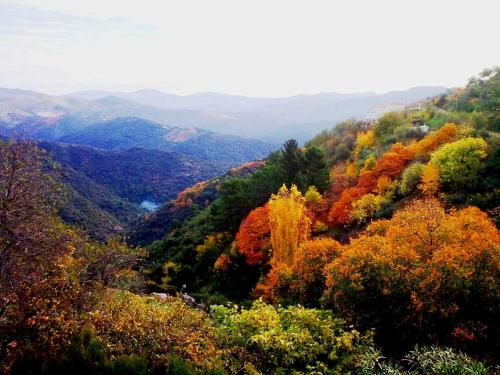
460,163
365,208
411,178
443,361
270,338
130,324
421,361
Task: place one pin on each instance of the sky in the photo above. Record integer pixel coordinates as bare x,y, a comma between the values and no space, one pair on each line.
256,48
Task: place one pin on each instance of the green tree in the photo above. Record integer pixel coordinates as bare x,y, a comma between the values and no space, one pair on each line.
291,159
460,163
411,178
342,152
233,204
316,170
387,124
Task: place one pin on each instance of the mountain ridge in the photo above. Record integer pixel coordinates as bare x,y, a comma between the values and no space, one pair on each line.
249,117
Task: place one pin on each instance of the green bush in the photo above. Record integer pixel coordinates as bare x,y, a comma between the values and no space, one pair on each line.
443,361
411,178
269,338
421,361
460,163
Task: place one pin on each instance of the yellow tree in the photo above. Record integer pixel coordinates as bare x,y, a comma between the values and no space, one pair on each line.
363,140
386,187
289,224
365,208
430,180
312,195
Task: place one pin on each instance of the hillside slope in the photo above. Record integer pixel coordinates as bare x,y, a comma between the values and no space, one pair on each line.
136,174
154,226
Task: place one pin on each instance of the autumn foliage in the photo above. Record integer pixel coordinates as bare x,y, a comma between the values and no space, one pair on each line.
390,166
341,209
445,134
253,238
308,276
289,224
303,280
156,327
424,270
430,180
385,226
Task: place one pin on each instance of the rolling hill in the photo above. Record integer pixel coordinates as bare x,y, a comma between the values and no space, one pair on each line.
261,118
269,118
129,132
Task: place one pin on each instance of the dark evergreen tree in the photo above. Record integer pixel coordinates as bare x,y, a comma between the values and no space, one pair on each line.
316,169
291,160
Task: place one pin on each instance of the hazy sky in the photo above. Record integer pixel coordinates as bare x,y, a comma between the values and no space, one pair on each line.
261,48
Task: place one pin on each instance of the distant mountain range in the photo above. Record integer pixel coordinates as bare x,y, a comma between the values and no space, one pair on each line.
115,123
113,171
268,119
215,102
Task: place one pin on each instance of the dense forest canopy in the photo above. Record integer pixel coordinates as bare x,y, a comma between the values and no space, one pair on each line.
373,249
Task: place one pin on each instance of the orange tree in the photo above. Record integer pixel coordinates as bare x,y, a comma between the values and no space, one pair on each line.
423,276
390,165
447,133
303,280
253,237
308,277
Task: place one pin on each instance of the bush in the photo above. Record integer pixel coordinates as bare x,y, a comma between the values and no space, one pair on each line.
85,355
411,178
130,324
128,365
270,338
460,163
443,361
421,361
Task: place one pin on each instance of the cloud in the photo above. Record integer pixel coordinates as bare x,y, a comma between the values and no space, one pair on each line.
21,22
248,47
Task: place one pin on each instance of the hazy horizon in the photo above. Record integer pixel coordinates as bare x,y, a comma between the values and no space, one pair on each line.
68,93
257,49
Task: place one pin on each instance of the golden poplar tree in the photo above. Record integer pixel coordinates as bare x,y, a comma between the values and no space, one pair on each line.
289,224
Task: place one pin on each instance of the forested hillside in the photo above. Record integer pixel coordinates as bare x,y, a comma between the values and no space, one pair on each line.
105,188
373,249
125,133
173,213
